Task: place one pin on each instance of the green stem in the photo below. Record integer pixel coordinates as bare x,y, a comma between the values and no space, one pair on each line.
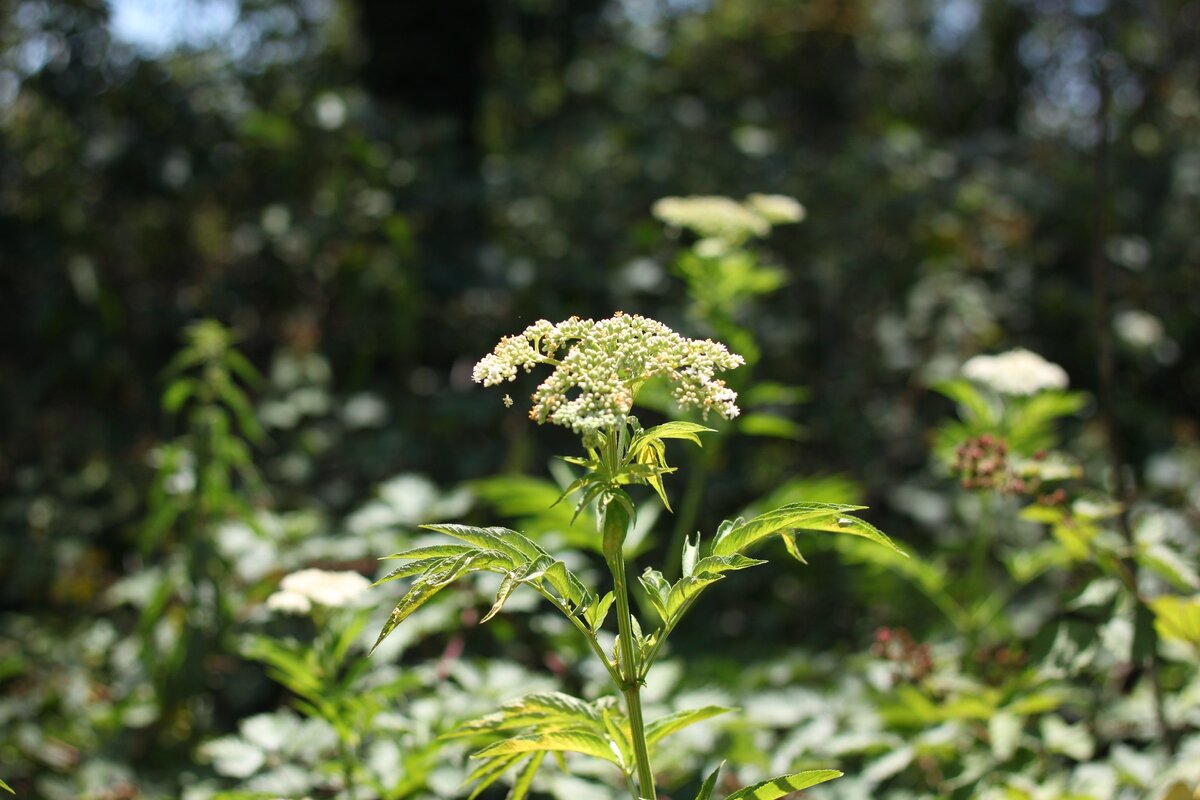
616,525
587,634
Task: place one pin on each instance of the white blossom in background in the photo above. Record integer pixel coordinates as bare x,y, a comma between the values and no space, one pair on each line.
1139,329
599,367
722,220
711,216
289,603
300,591
777,209
1017,372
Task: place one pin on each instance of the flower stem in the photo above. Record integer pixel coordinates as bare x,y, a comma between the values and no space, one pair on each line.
616,525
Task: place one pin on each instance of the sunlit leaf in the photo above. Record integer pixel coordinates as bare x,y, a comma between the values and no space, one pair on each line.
784,784
710,783
589,744
741,536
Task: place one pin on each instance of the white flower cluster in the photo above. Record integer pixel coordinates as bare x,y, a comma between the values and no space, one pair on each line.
777,209
727,220
605,363
1018,372
299,591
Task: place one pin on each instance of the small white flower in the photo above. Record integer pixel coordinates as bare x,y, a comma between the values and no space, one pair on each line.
1017,372
605,363
289,603
319,587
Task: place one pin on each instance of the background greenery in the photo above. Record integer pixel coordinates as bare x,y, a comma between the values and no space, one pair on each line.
369,194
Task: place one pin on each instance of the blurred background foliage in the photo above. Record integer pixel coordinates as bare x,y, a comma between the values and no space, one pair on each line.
368,194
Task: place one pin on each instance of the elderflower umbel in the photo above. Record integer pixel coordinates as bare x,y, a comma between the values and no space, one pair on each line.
1017,372
716,217
604,364
777,209
299,591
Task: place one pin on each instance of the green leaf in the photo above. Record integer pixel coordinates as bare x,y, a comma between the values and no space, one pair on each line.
974,404
545,711
568,587
417,595
1177,618
784,784
767,393
741,535
657,589
617,729
691,554
789,544
595,613
589,744
665,726
6,787
770,425
506,541
177,394
439,575
432,551
489,772
506,587
524,779
710,783
707,571
676,429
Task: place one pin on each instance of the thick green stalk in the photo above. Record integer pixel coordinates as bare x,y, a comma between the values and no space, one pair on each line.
616,525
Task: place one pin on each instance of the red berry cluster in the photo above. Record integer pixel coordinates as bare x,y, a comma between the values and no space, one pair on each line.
914,661
982,463
997,662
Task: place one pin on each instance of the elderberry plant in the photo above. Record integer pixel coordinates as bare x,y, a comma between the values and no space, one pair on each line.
598,369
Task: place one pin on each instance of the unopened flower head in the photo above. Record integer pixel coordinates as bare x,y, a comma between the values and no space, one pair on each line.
299,591
1017,372
599,367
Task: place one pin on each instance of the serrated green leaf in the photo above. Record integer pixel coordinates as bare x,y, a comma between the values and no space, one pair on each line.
431,551
589,744
521,785
676,429
706,572
657,590
545,711
665,726
474,561
784,784
710,783
418,594
506,587
495,538
741,535
564,582
595,613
